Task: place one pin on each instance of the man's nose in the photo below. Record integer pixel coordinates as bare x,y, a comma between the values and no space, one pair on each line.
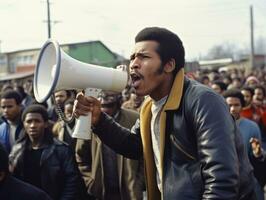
32,124
232,109
134,64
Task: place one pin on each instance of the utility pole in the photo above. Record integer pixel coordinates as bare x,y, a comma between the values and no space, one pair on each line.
252,63
48,19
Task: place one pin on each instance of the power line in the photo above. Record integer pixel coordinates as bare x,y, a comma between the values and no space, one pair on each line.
48,19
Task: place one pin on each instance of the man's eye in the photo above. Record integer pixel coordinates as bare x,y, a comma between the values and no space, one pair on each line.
144,56
132,58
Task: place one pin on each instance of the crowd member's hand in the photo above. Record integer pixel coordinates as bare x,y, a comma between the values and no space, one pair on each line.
256,147
83,105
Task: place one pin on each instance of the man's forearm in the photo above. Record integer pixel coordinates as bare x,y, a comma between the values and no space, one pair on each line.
120,139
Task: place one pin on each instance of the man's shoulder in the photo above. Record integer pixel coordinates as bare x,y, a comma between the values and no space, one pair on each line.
195,91
3,126
247,123
197,88
60,144
128,118
130,112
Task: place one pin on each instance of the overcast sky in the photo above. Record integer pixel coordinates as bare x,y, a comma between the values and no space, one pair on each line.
199,23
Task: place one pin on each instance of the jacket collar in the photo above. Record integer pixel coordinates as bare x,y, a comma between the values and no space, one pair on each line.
175,94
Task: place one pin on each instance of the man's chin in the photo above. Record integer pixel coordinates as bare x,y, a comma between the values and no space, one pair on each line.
139,92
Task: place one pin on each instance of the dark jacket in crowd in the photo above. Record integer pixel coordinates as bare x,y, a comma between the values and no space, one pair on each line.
60,176
202,153
14,189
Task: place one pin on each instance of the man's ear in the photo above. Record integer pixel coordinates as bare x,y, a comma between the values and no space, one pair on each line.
169,66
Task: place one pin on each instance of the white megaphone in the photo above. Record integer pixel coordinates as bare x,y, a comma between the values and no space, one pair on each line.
56,70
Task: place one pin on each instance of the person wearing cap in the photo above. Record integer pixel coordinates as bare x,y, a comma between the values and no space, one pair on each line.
252,81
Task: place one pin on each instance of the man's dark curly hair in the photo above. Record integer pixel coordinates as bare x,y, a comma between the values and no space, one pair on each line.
247,88
170,45
35,108
12,94
236,94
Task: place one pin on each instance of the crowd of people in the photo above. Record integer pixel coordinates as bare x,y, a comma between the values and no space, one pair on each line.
167,136
43,154
245,95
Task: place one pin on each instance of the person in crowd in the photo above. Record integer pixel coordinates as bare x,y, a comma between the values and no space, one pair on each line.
60,98
26,98
214,76
251,135
218,86
227,80
45,104
62,130
134,102
12,128
14,189
43,161
236,83
205,80
6,86
126,93
259,102
28,87
259,161
109,175
249,111
259,97
252,81
186,136
248,129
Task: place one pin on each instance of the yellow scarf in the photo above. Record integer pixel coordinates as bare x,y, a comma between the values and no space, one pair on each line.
172,103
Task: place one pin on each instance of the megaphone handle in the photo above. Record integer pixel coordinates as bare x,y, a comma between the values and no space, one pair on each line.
83,125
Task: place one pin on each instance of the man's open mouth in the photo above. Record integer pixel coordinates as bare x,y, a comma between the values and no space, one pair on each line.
135,79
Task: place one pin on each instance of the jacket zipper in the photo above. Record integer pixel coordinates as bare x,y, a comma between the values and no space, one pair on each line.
181,149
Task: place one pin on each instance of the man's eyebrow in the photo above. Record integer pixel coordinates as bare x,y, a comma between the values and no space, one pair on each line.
138,54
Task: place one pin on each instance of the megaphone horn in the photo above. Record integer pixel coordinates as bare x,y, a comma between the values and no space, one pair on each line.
55,70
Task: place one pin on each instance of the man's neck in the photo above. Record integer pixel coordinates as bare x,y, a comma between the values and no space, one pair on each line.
36,143
164,90
13,122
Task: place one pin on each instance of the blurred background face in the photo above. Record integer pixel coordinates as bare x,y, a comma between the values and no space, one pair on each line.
68,111
252,83
258,95
60,97
110,102
247,97
236,83
216,88
234,106
10,109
